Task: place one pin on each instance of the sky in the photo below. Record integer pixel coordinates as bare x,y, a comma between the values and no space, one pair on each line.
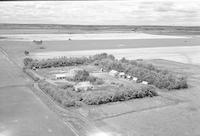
128,12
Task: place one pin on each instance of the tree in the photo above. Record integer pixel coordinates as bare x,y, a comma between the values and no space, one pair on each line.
81,75
26,52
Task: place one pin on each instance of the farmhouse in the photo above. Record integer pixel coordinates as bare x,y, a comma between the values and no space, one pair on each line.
113,73
122,75
60,76
83,86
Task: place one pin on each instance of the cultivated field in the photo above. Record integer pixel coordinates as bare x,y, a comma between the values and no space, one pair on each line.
106,36
16,49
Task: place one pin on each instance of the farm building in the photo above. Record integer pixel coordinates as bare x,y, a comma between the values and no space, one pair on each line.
145,82
101,70
135,78
83,86
122,75
129,77
113,73
34,68
60,76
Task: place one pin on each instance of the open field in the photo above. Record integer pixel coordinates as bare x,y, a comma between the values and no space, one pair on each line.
105,36
63,29
184,54
16,49
21,112
178,110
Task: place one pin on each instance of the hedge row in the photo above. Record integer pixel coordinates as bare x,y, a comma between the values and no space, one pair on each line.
64,61
102,97
68,97
32,74
65,97
161,78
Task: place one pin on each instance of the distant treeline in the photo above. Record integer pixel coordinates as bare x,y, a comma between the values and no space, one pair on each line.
161,78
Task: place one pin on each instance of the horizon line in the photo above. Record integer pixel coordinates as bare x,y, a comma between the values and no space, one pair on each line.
96,25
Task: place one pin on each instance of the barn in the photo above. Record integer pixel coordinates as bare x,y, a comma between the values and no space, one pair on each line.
113,73
122,75
145,82
60,76
83,86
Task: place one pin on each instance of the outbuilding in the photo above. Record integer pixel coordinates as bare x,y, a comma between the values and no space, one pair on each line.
129,77
145,82
113,73
101,70
34,68
60,76
122,75
135,78
83,86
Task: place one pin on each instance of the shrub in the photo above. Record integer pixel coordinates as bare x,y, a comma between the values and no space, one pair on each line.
66,98
26,52
81,75
92,79
42,47
28,62
65,86
32,74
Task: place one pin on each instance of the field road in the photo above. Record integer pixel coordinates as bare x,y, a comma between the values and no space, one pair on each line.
21,112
